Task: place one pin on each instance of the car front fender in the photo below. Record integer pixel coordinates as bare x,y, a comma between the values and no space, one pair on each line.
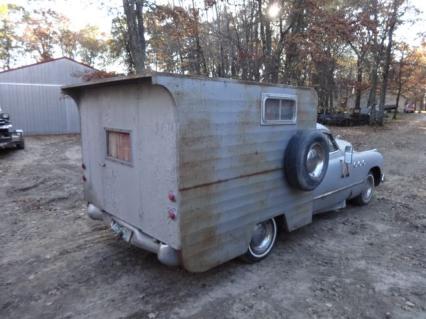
366,161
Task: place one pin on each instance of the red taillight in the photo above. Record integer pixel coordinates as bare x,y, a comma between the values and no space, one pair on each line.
171,213
172,197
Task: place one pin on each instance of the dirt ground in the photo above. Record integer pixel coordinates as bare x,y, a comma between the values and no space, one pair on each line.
367,262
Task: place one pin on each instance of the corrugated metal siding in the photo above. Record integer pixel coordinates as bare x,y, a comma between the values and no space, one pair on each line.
230,167
34,100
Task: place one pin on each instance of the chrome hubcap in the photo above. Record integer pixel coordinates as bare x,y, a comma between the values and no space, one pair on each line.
315,160
368,192
263,238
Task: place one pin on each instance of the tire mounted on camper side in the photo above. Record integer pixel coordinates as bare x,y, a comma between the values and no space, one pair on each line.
306,160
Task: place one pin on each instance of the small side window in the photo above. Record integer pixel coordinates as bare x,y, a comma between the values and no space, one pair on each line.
278,109
119,145
332,145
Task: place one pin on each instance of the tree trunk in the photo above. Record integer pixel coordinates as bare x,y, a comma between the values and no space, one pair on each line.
398,95
8,45
372,95
372,99
381,113
221,67
201,65
358,84
298,14
133,9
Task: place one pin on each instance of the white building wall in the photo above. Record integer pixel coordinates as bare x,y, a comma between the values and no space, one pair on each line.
32,96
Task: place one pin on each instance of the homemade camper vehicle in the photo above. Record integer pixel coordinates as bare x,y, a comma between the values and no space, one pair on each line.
200,171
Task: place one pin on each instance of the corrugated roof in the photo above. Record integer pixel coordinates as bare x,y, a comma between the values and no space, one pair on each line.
44,62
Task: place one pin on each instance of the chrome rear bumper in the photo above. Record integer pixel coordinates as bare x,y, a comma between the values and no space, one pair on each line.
166,254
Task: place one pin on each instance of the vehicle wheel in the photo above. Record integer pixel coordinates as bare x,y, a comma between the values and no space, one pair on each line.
368,192
262,241
20,145
306,160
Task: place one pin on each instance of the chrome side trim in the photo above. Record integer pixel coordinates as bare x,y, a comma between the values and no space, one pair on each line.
337,190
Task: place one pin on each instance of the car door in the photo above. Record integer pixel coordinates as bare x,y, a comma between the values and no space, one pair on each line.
333,190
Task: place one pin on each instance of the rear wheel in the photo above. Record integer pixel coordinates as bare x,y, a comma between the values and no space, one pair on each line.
262,241
367,193
20,145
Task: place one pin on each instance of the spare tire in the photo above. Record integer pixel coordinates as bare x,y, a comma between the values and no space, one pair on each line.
306,159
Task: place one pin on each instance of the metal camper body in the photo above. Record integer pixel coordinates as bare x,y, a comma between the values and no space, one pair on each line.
203,166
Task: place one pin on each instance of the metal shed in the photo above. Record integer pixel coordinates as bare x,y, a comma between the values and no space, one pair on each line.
190,163
32,96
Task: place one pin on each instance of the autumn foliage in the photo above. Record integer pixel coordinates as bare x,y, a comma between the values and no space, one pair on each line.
339,47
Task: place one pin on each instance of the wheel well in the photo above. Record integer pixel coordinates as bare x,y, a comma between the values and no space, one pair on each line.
377,173
281,221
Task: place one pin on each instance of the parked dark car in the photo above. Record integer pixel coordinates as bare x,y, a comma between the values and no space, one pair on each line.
344,119
8,136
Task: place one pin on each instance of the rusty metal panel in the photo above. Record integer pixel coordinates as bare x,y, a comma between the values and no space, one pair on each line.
226,168
230,166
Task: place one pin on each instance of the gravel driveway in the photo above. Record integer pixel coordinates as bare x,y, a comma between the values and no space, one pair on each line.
365,262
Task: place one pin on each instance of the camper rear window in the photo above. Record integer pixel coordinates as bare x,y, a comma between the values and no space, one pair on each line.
118,145
277,109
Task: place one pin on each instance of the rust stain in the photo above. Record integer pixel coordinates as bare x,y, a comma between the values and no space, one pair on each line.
229,179
198,257
209,235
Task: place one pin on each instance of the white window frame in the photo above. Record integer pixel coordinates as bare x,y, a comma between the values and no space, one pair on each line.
278,96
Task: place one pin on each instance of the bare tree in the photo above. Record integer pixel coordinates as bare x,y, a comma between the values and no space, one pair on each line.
133,10
377,51
393,19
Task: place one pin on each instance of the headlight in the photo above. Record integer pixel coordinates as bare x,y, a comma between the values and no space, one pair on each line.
5,116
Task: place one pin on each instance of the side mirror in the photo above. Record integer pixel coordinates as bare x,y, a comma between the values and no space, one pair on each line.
349,151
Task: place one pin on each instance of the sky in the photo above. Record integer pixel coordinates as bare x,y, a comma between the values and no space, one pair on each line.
408,32
79,12
96,12
83,12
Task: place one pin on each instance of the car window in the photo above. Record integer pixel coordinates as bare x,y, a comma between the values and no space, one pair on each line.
332,145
